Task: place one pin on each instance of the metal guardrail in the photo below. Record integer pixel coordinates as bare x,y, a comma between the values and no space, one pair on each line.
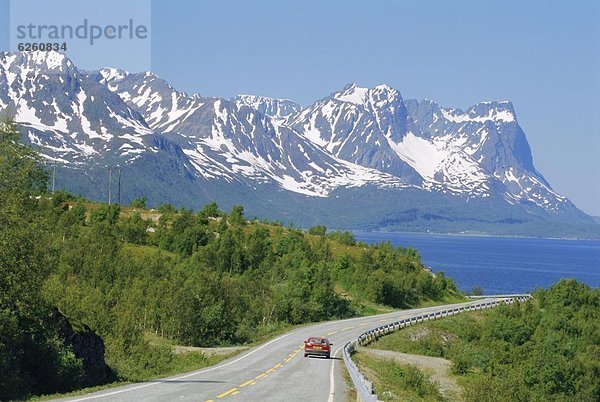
516,295
364,388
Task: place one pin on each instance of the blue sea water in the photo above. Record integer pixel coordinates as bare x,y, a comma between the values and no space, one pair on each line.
501,264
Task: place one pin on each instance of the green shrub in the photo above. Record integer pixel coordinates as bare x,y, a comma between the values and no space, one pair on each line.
317,230
139,202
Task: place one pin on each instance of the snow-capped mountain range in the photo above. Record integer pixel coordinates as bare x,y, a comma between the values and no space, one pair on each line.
354,138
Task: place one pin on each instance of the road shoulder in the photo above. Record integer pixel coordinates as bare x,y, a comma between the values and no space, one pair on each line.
436,367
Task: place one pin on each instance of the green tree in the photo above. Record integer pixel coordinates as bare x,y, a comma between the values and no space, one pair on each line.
211,210
71,220
106,213
477,291
135,229
167,209
139,203
237,215
258,247
343,237
318,230
28,340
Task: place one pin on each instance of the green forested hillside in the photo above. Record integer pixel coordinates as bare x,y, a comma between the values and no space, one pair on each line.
546,349
204,279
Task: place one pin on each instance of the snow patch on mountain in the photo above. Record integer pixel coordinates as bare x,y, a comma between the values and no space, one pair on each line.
353,94
502,113
277,109
421,154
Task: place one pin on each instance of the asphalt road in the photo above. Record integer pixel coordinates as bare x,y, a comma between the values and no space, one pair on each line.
273,371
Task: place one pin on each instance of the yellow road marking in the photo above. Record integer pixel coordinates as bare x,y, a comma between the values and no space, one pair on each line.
333,333
235,393
210,400
246,383
224,394
258,377
269,370
287,360
278,365
385,319
347,328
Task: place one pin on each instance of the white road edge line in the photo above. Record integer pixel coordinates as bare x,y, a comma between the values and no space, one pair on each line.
183,376
332,377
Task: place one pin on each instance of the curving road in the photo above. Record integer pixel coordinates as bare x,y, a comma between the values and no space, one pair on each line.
274,371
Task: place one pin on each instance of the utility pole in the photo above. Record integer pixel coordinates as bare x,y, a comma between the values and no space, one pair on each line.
109,184
53,176
119,191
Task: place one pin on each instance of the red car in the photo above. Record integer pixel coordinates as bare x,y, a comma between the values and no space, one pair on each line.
317,346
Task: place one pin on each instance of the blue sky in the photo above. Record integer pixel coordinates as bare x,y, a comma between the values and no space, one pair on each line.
544,56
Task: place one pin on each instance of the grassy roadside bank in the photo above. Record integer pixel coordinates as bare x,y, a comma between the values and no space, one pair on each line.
394,381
